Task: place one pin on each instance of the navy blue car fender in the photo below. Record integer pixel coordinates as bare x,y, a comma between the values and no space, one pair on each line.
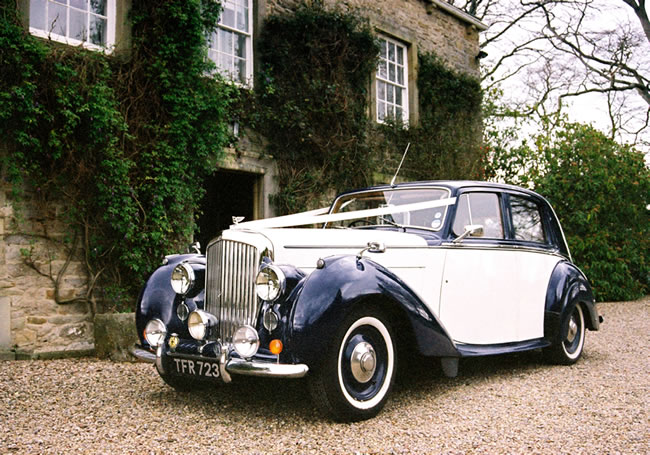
158,300
567,287
329,294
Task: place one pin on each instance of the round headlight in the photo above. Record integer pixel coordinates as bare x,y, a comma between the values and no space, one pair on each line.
246,342
270,283
197,325
155,332
182,278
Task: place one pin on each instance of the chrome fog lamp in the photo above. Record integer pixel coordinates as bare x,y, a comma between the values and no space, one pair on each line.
270,320
246,342
270,282
200,324
182,278
155,332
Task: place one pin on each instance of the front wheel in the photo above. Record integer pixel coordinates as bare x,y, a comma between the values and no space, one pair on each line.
357,373
568,350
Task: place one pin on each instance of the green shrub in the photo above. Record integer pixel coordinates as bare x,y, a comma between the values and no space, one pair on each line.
600,190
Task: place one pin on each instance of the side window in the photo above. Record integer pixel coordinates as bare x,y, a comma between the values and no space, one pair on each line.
479,208
526,220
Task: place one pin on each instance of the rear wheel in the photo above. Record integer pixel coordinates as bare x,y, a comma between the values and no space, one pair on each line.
356,376
568,350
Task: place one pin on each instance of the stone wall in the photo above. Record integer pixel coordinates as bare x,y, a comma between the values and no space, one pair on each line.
416,22
32,254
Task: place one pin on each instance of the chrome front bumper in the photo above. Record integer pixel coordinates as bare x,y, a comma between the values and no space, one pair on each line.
229,366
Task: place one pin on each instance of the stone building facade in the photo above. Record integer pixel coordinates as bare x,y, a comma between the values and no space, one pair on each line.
32,323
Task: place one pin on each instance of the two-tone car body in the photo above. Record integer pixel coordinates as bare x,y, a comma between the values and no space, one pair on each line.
441,269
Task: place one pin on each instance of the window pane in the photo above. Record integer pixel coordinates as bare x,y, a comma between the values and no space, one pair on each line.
382,69
382,51
241,66
482,209
225,41
242,19
391,72
398,113
78,25
391,52
240,46
81,4
400,76
98,7
526,220
381,91
37,14
462,215
57,19
228,15
97,30
398,96
381,110
400,55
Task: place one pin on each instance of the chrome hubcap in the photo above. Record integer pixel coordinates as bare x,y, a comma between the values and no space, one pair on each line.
363,362
573,330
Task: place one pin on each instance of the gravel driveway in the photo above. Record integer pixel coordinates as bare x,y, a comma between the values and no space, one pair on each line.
506,404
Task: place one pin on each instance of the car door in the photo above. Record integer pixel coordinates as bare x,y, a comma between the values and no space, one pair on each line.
494,286
478,300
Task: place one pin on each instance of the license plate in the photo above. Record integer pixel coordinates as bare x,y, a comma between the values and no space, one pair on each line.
202,368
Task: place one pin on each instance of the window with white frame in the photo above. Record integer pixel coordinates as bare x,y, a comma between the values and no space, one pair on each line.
90,23
392,82
230,47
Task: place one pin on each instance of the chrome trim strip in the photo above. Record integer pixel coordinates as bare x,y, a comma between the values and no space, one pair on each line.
528,249
266,369
143,355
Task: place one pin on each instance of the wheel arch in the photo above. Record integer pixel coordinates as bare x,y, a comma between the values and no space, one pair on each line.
158,300
567,288
331,293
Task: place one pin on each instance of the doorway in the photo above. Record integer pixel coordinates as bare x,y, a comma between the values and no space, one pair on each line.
227,194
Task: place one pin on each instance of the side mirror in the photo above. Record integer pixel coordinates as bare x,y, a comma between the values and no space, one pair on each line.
472,229
373,247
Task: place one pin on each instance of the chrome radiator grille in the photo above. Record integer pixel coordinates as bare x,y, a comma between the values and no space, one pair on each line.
230,285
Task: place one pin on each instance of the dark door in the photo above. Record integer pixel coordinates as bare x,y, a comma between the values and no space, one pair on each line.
227,194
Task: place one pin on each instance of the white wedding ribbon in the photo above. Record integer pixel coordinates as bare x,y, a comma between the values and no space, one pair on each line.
318,216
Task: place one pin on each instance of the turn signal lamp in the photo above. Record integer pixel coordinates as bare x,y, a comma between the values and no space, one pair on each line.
275,346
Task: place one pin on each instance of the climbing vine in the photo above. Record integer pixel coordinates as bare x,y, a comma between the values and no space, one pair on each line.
121,143
124,141
313,107
446,140
313,95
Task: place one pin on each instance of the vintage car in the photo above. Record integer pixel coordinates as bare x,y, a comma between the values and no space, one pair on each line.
440,269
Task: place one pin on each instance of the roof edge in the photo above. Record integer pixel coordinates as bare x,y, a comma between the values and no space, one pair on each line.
460,14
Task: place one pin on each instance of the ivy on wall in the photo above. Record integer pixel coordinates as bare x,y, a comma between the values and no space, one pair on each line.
123,141
313,107
446,141
312,102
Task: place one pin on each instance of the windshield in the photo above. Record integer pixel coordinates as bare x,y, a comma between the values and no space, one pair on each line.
429,218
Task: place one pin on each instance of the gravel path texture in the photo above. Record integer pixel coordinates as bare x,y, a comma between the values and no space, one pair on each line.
505,404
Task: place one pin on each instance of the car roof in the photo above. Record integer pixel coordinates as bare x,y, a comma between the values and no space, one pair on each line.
452,185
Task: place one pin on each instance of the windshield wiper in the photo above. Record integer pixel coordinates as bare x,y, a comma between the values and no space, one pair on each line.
391,222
